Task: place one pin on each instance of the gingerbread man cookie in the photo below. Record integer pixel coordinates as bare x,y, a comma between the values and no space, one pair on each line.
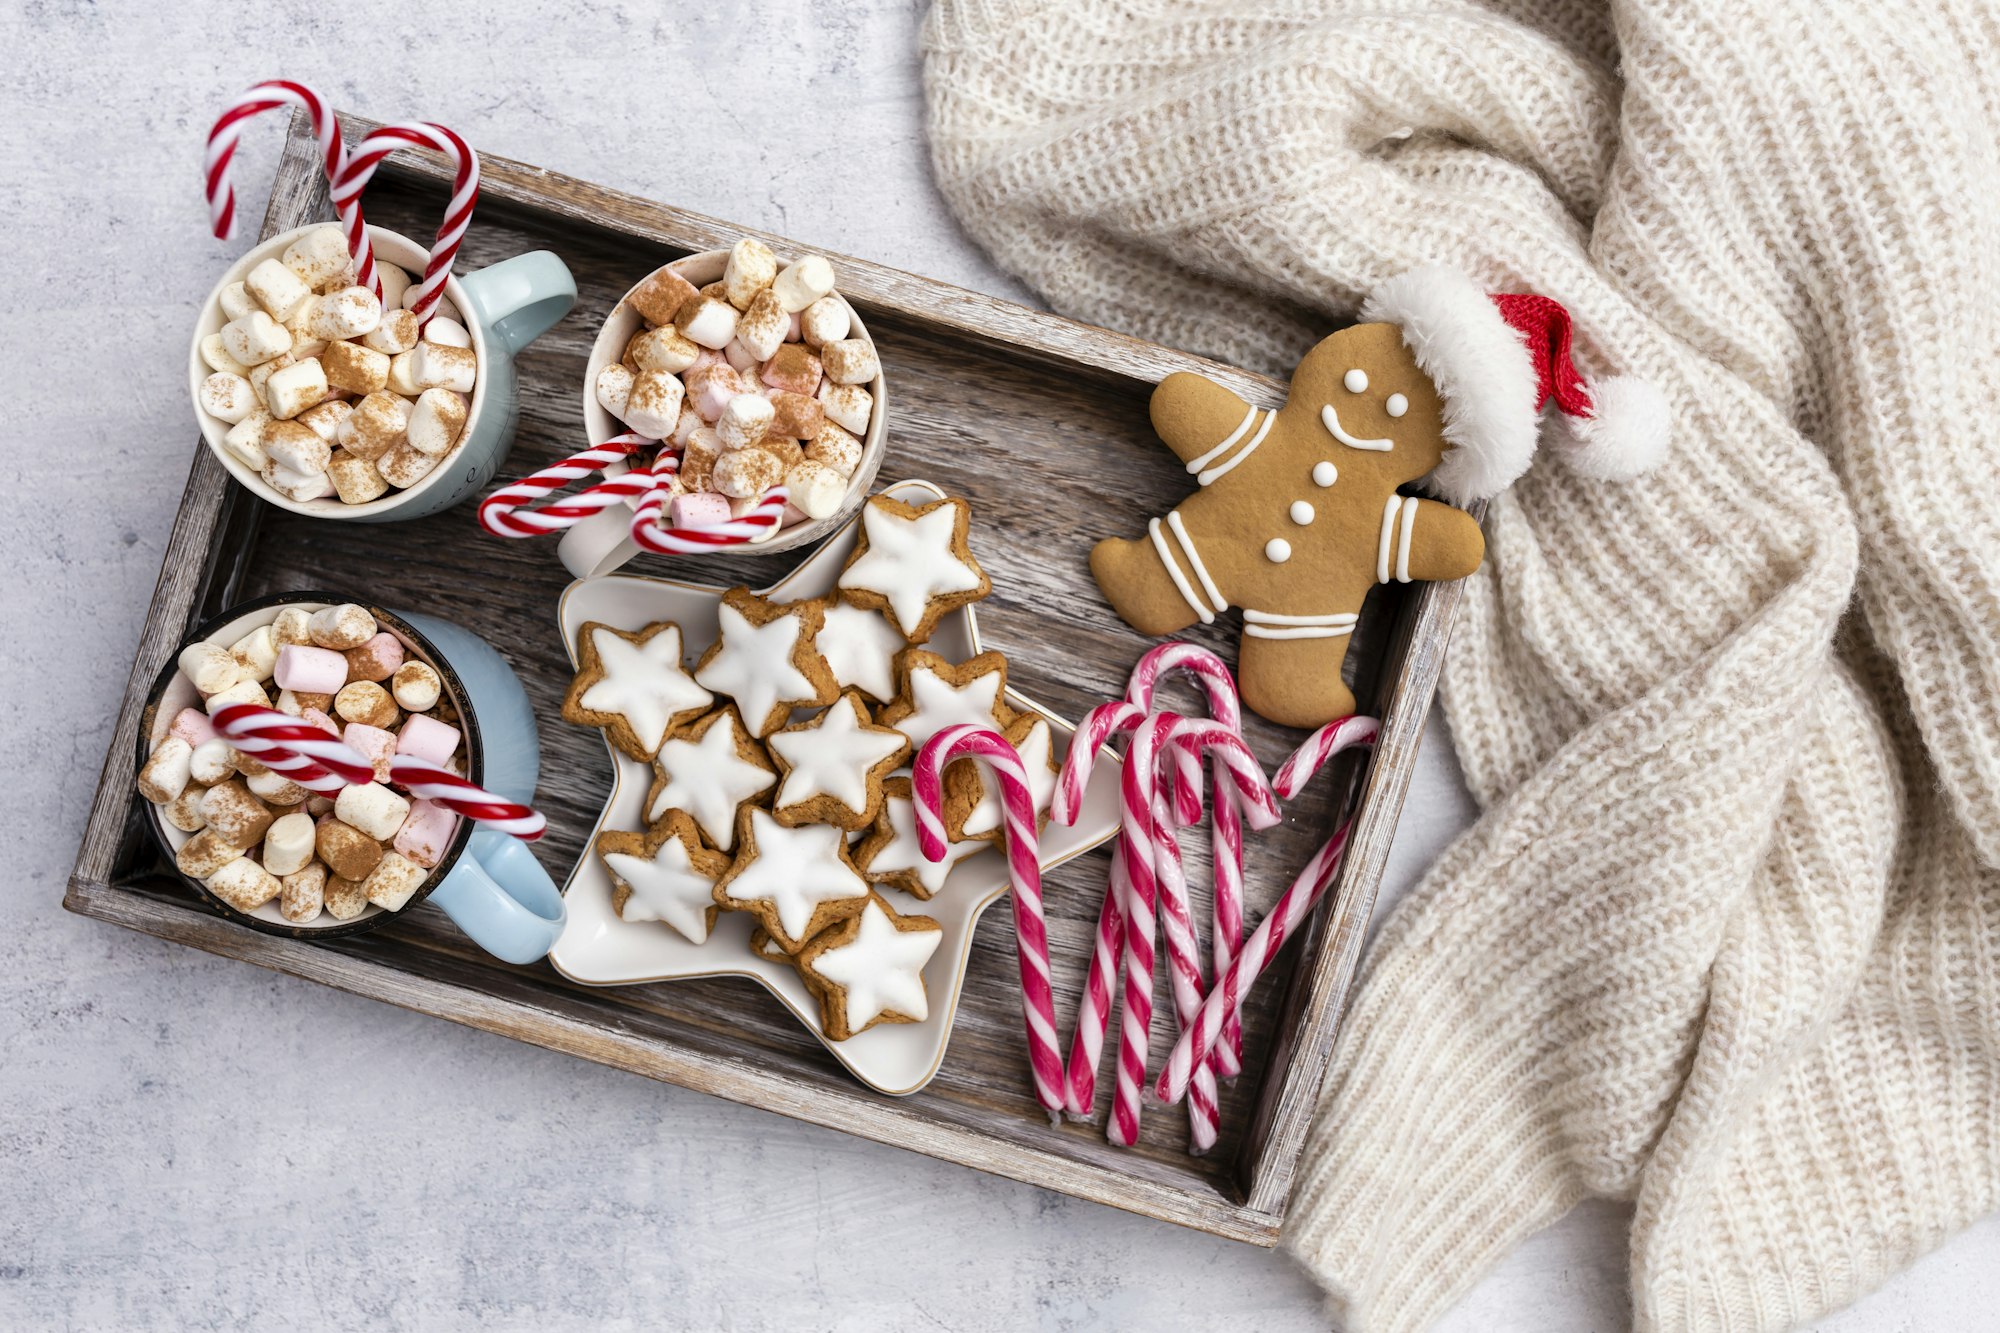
1300,510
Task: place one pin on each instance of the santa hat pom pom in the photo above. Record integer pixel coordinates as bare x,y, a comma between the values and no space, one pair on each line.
1624,436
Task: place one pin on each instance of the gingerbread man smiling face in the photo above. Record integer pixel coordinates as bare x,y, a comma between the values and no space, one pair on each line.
1300,511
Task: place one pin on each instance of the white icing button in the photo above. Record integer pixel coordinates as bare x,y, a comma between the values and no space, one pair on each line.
1302,513
1325,474
1397,404
1356,380
1277,550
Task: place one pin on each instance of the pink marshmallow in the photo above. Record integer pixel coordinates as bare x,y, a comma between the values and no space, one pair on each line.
704,509
426,833
377,746
703,359
319,719
304,669
192,725
427,739
376,659
710,390
792,333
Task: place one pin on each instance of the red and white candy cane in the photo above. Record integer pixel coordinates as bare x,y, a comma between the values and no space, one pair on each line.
308,755
501,513
1031,934
766,514
1137,819
467,798
1340,734
270,95
422,299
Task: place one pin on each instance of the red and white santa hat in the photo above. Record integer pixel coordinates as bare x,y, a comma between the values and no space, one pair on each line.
1497,361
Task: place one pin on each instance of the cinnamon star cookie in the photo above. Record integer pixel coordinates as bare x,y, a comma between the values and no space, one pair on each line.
870,969
765,658
914,563
664,874
631,683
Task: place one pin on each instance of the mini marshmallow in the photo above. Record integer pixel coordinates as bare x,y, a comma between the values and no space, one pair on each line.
192,727
303,893
244,885
816,488
396,333
835,448
761,331
654,405
205,853
448,332
744,420
850,361
246,764
427,739
356,480
708,357
324,420
318,718
305,342
744,474
377,659
184,811
740,358
274,788
793,368
376,745
792,327
426,833
372,808
804,282
711,388
848,406
255,339
663,348
708,320
444,309
395,284
350,852
366,702
345,899
216,357
293,625
435,422
288,844
244,691
739,507
438,366
786,451
257,652
415,686
660,297
403,467
689,423
312,670
293,389
235,816
277,289
245,439
236,301
339,627
826,320
317,805
319,258
614,387
797,417
210,668
164,775
750,270
355,368
393,881
698,457
298,487
210,763
288,444
704,509
376,426
401,380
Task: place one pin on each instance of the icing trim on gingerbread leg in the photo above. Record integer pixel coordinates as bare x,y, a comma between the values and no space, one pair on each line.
1249,448
1277,625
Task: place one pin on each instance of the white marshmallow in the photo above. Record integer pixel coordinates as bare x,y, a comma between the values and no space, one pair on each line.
396,333
395,283
236,301
415,686
816,489
227,397
209,764
275,788
664,348
750,270
210,668
404,467
653,406
261,375
217,357
347,313
372,808
292,389
293,625
803,283
614,386
277,289
401,383
164,775
305,342
761,331
257,652
436,421
689,423
447,331
740,357
441,366
444,309
848,406
324,420
255,338
298,487
244,691
288,843
246,439
850,361
826,320
744,420
244,885
393,880
320,259
353,367
707,320
355,479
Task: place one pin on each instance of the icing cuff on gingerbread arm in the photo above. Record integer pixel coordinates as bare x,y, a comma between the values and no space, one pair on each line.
1209,428
1425,541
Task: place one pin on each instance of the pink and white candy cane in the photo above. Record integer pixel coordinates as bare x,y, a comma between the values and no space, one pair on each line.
1284,920
440,787
354,176
1143,836
1031,934
502,515
765,515
270,95
314,758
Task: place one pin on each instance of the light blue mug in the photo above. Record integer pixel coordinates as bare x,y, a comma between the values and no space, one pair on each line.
488,883
505,307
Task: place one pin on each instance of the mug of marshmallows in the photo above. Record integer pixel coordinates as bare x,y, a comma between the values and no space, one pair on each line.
325,400
761,373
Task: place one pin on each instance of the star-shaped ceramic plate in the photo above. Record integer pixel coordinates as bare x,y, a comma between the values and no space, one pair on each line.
598,949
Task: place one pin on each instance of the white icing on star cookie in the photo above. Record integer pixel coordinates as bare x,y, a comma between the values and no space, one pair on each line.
912,562
793,874
861,646
930,703
1036,749
754,664
880,971
641,684
893,854
838,754
668,887
708,777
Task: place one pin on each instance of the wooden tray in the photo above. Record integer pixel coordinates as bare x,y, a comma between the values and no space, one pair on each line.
1042,423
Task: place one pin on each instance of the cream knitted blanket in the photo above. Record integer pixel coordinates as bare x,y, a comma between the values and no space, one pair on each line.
1726,940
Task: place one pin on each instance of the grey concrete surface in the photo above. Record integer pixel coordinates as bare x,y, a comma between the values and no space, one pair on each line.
189,1142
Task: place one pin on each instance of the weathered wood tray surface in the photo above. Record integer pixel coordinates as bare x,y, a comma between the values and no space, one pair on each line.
1042,423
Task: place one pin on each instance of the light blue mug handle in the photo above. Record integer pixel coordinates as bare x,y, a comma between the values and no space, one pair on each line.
521,298
500,896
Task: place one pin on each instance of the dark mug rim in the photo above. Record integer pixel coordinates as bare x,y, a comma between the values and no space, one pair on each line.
475,759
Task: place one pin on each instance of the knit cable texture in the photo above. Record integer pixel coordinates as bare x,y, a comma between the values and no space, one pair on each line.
1726,939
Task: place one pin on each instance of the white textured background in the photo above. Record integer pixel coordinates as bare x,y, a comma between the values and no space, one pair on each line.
191,1142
